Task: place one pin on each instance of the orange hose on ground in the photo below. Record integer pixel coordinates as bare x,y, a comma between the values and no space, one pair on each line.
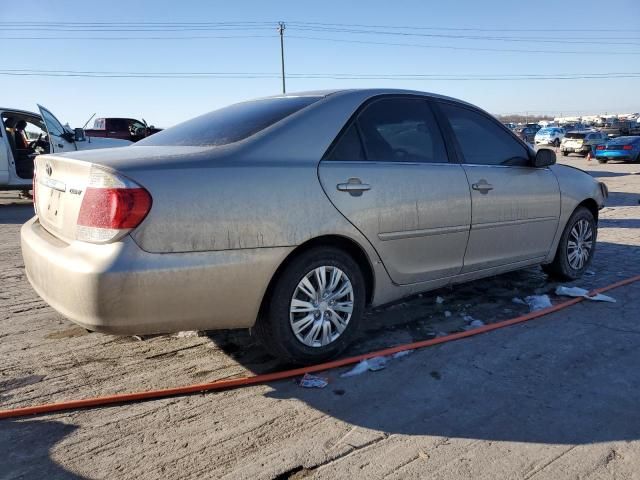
270,377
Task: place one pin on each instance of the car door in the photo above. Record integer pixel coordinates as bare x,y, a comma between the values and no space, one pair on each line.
56,132
515,207
388,173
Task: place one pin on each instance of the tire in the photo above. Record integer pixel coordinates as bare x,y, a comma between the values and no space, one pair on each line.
600,160
556,142
565,153
275,327
564,266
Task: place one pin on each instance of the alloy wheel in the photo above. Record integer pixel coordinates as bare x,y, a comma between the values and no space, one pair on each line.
580,244
321,306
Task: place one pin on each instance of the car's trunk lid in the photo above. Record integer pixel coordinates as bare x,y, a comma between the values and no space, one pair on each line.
60,185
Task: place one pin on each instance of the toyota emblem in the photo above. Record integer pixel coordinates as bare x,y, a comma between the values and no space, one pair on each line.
48,169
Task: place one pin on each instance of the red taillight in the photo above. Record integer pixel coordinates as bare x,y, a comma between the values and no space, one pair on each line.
114,208
600,147
627,147
111,206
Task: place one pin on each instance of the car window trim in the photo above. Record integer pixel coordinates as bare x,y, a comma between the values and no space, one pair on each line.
354,119
456,144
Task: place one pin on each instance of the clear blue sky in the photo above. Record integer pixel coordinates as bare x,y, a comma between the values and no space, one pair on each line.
164,102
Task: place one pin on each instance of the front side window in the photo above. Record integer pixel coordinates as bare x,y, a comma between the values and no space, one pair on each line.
53,125
482,141
230,124
401,130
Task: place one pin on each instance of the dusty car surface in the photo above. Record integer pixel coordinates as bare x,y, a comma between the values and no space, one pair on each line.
291,214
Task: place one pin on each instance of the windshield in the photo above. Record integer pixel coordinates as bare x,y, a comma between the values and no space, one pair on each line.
542,131
230,124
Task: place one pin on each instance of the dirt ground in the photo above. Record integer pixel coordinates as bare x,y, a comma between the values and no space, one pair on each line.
554,398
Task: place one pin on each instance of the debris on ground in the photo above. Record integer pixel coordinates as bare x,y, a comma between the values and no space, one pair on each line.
447,313
371,364
472,322
187,334
589,272
404,353
313,381
439,300
581,292
518,301
537,302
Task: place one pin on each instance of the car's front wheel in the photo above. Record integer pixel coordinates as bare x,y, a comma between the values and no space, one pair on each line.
315,307
576,247
556,143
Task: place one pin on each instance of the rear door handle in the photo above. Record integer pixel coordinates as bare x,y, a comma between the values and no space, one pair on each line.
354,186
482,186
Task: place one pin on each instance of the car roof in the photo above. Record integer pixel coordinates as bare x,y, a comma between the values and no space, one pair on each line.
17,110
370,92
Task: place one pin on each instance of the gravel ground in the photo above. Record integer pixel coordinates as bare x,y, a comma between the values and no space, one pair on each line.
554,398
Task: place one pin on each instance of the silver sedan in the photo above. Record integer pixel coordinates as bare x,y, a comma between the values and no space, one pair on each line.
290,215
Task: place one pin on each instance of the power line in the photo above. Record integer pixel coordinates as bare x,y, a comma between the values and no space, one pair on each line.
335,76
463,37
465,29
451,47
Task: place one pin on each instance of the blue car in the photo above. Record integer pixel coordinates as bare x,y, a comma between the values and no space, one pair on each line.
626,149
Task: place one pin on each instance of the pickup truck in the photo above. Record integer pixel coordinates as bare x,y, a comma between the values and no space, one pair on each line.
122,128
620,128
24,135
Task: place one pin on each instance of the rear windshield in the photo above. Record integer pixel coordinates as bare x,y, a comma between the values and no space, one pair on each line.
575,135
229,124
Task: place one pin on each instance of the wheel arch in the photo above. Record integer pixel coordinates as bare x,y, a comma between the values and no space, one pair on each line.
345,244
591,205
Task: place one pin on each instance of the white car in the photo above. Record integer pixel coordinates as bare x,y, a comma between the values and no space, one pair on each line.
25,135
550,136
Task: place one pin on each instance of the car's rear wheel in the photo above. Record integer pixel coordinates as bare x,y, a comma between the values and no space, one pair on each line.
315,307
600,160
576,248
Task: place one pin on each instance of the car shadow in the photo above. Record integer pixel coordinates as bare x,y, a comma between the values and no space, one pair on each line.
604,174
15,213
622,199
565,379
26,447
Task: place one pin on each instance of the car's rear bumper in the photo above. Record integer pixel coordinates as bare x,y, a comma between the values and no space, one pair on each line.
119,288
583,149
613,155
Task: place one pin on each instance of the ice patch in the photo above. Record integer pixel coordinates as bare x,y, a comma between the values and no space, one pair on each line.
581,292
372,364
537,302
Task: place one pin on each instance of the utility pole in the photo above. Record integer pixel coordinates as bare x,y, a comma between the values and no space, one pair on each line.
281,28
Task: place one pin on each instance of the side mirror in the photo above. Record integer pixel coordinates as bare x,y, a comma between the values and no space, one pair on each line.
544,157
79,135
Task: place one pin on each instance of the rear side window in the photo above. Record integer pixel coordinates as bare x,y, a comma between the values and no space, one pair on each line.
393,130
482,141
230,124
575,135
349,147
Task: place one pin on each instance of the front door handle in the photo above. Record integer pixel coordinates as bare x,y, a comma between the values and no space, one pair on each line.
61,145
354,186
482,186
